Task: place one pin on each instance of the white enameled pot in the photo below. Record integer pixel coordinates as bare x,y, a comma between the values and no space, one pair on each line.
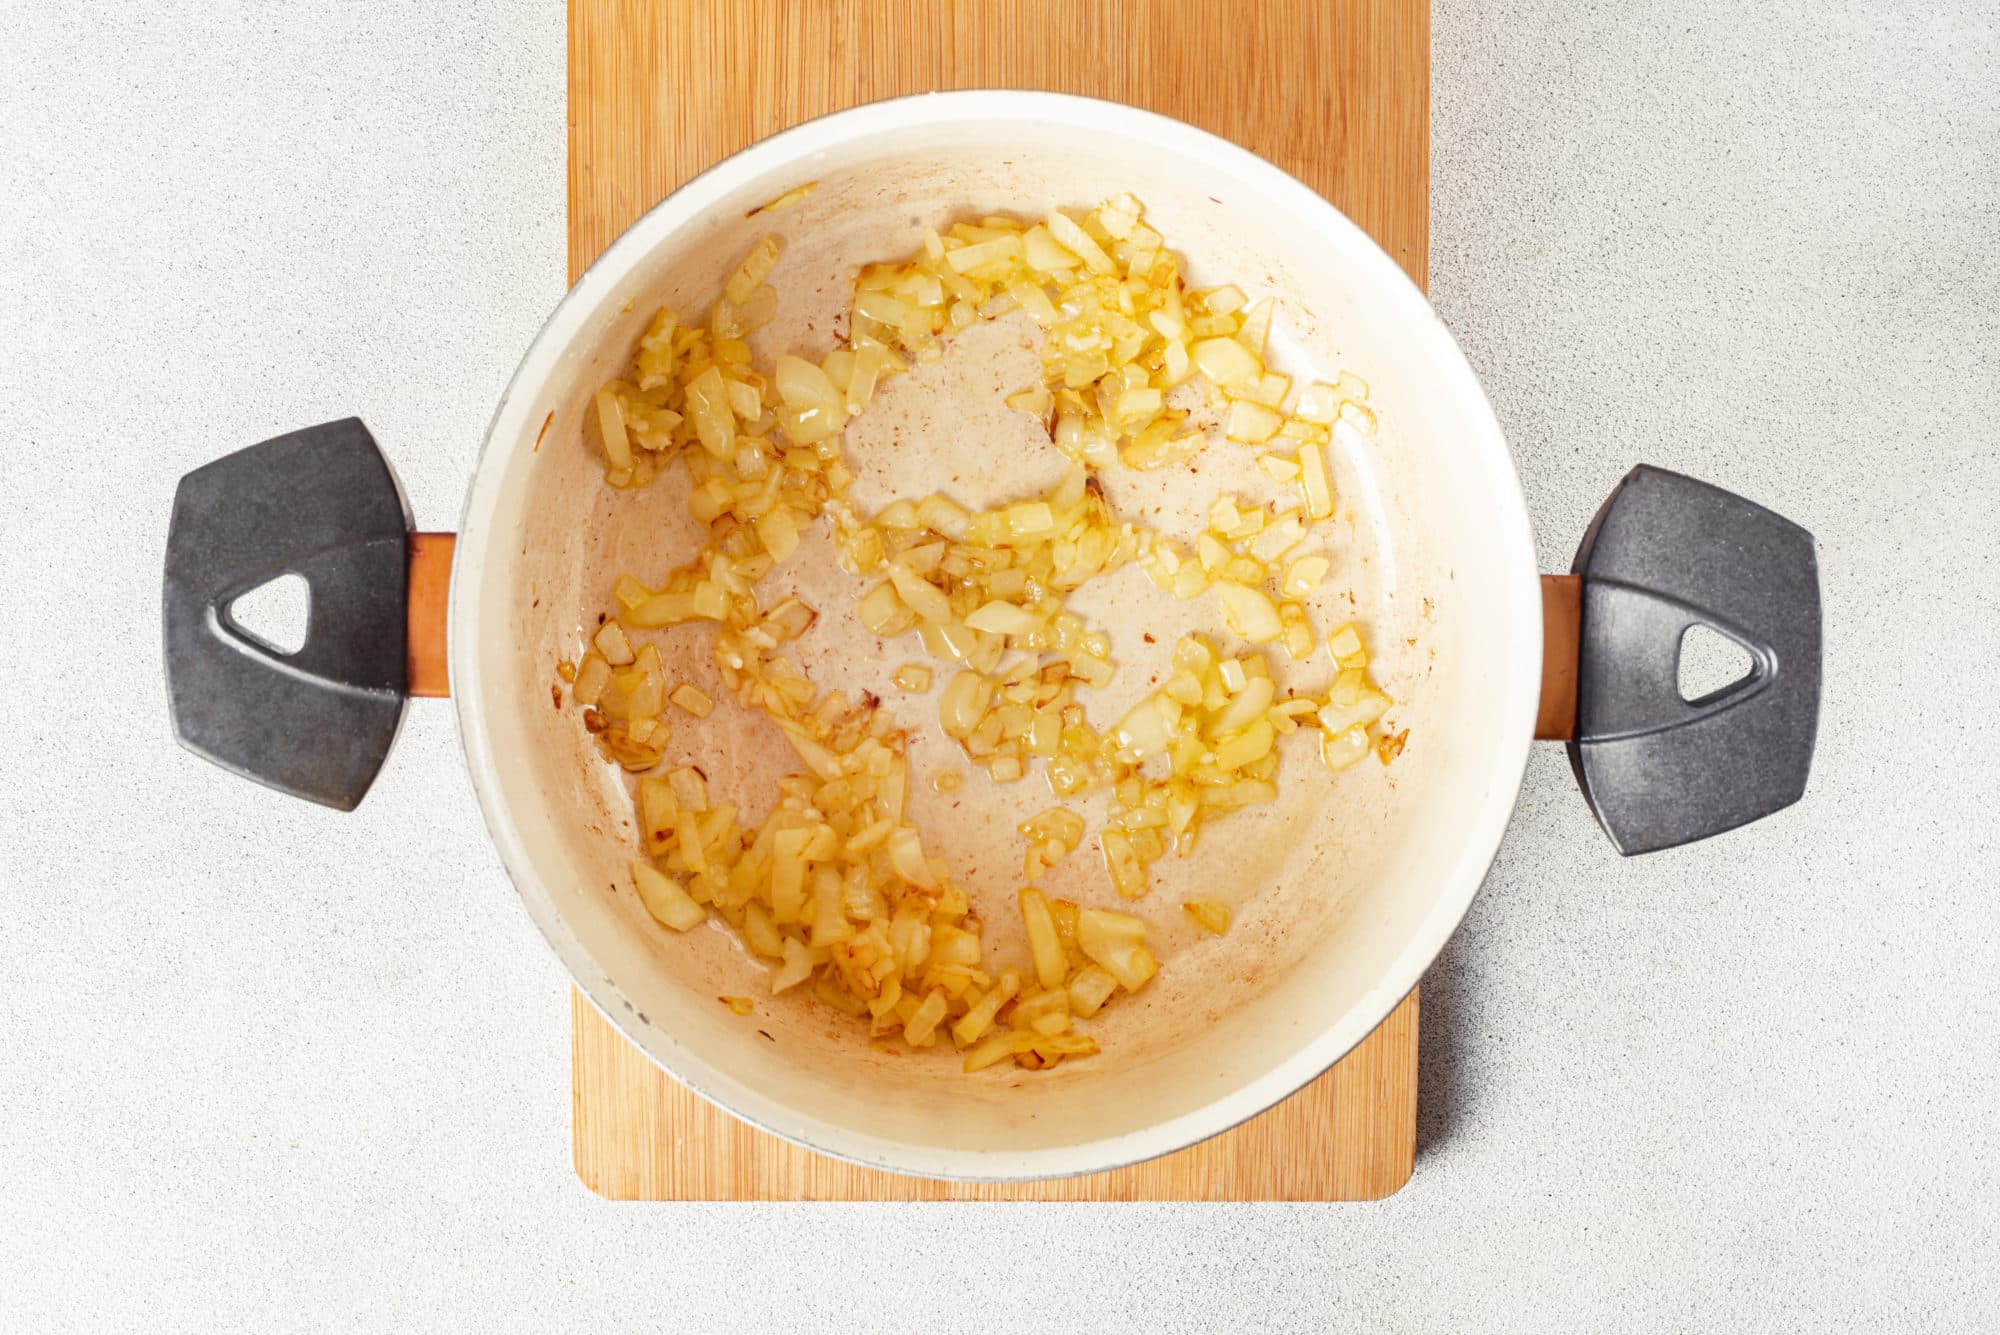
1345,890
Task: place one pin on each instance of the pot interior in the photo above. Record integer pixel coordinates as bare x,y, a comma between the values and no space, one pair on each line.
1343,889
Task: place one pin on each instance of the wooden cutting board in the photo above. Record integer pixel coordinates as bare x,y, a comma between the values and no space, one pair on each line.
1336,92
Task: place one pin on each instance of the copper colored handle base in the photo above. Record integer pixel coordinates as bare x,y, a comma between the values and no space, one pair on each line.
1562,609
430,587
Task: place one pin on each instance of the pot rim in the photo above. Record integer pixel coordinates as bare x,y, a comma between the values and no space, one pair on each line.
1481,831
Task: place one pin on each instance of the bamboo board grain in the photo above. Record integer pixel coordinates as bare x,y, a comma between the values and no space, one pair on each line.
1336,92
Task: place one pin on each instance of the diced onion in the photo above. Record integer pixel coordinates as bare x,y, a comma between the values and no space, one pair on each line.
1252,423
756,267
1210,914
1115,941
918,595
1314,484
1128,872
1319,402
611,426
1339,750
796,967
1368,706
1227,362
1003,618
1249,613
665,898
692,700
1304,575
612,643
1074,239
1051,966
1344,643
833,884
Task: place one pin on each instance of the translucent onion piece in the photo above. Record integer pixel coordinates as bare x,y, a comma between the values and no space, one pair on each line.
665,899
1210,914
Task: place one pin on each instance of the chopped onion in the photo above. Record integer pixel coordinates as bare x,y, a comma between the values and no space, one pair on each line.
756,267
883,612
665,899
613,645
709,408
1051,966
1077,241
796,968
1368,706
1145,730
1248,613
1128,871
906,854
692,700
834,884
1304,575
978,1018
1116,941
1339,750
1252,423
998,1048
1003,618
1319,402
779,532
919,596
1210,914
1227,362
1314,484
1252,698
1089,988
611,426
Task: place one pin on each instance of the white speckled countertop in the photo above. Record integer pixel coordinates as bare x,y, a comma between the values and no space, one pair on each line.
265,1067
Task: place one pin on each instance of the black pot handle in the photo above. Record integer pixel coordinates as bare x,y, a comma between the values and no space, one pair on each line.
321,503
1666,553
